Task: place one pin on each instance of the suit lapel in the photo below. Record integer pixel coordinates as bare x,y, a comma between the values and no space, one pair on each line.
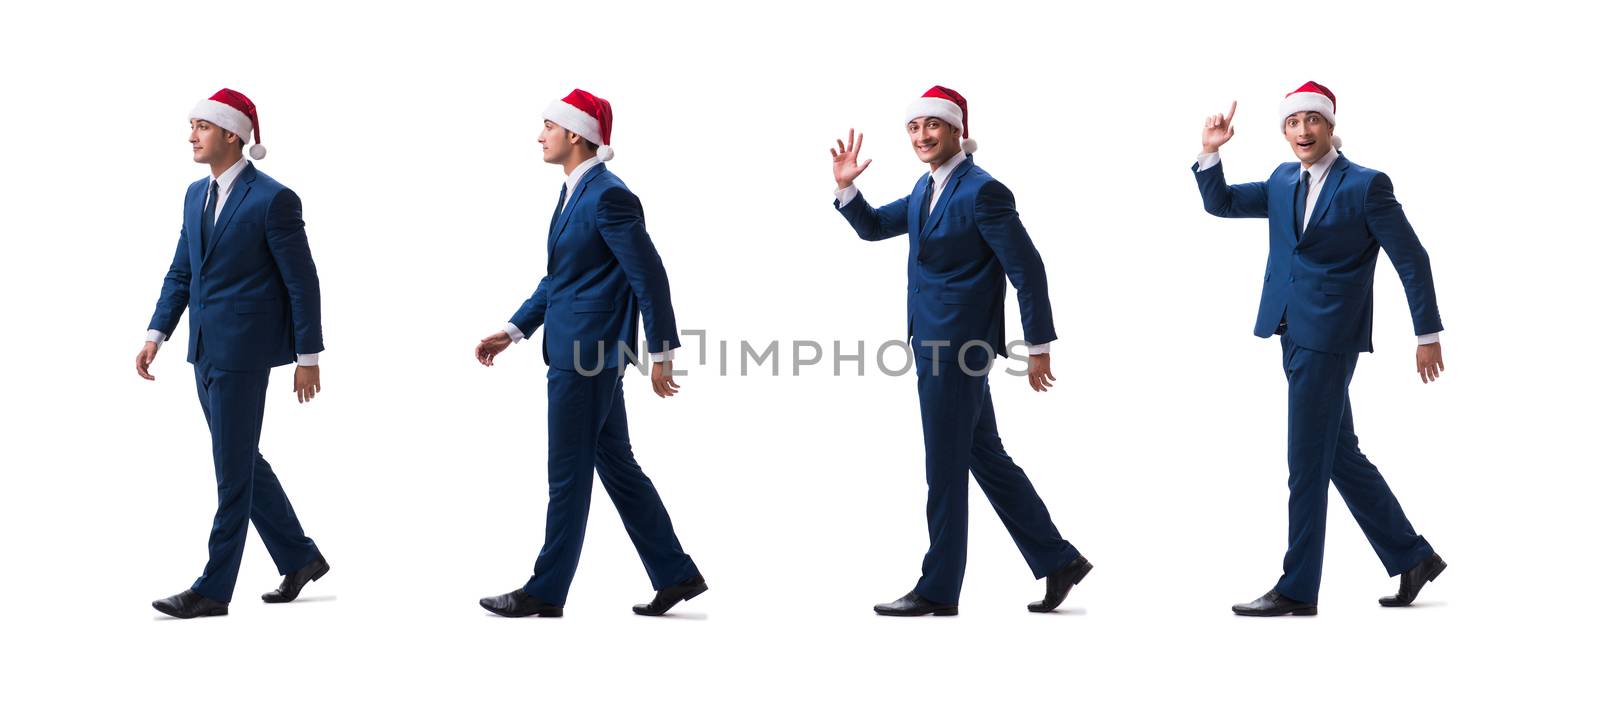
918,192
1330,186
572,200
236,195
947,192
1288,186
191,224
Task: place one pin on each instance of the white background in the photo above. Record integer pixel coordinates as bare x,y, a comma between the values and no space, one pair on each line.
408,130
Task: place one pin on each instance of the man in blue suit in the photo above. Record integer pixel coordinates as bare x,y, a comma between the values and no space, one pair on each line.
966,241
244,272
602,273
1327,218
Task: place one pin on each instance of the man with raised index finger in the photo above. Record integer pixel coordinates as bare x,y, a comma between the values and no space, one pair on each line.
966,240
1327,218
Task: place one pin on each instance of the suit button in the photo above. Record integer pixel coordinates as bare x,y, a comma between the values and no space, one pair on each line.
1291,279
916,290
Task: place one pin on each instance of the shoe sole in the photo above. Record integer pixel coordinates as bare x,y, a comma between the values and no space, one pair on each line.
543,613
212,614
1298,611
942,612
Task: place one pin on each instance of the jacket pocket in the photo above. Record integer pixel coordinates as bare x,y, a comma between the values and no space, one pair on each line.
583,306
256,306
1340,289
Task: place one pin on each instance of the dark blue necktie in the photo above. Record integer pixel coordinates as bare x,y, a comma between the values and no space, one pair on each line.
207,219
1300,193
927,198
560,204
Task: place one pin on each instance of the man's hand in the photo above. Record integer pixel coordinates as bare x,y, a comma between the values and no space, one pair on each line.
1039,376
307,382
1218,130
1430,362
661,379
491,346
147,355
845,169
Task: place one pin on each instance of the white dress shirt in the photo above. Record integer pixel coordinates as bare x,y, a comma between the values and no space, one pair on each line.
572,185
1319,174
941,176
224,184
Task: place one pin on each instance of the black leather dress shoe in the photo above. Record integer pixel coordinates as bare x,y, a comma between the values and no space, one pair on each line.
1274,604
1057,584
190,604
292,583
669,596
1412,580
912,604
517,604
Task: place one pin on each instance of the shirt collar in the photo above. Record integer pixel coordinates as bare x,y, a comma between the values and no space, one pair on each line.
942,174
578,172
225,181
1321,167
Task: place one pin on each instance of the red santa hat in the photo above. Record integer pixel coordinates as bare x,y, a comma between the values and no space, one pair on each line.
1313,97
947,105
586,114
232,111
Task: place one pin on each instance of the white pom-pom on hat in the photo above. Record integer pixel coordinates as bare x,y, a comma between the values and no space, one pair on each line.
969,146
257,151
605,153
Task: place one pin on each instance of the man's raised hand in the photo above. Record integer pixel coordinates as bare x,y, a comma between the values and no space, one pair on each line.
1218,129
845,169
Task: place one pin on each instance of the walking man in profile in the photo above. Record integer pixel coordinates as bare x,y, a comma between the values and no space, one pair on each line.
602,273
243,271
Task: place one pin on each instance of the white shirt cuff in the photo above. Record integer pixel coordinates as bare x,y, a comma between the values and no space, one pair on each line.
846,195
1428,338
663,356
306,359
1208,160
1040,349
156,337
514,332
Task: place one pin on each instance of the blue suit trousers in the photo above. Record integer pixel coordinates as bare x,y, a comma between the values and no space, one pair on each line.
1323,448
247,490
588,425
959,433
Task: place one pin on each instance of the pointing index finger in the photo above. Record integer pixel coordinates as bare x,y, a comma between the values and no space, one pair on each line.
1231,107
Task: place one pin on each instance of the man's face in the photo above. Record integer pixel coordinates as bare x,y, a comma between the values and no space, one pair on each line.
558,143
211,144
1309,134
933,140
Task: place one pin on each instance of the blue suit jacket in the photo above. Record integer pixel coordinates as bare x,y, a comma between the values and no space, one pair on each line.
602,273
1322,284
961,255
253,298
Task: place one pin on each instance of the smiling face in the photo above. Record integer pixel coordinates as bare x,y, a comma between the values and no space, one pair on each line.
212,144
933,140
1309,134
